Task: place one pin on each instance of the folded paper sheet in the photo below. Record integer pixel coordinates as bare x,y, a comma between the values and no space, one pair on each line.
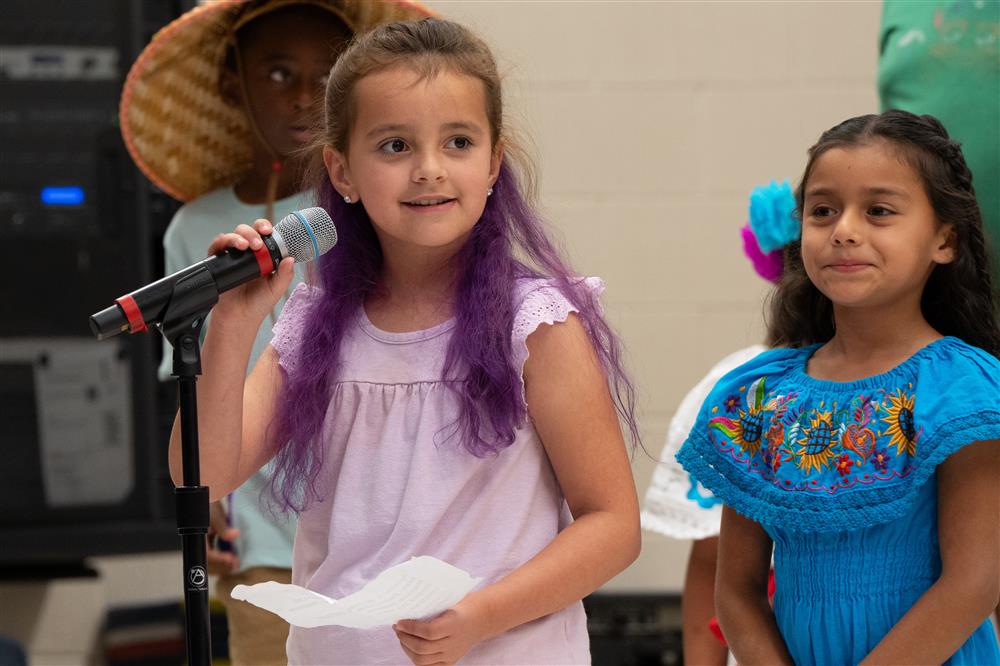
418,589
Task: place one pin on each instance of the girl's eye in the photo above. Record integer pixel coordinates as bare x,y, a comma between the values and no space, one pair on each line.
459,142
279,75
822,211
879,211
393,146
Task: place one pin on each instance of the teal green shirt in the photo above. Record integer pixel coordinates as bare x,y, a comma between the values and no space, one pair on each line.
942,57
265,539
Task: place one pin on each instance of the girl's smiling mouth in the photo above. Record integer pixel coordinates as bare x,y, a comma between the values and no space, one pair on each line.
430,203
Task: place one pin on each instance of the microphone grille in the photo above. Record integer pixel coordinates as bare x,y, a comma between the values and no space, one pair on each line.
306,233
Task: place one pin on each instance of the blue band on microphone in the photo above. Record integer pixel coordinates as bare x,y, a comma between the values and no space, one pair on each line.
312,236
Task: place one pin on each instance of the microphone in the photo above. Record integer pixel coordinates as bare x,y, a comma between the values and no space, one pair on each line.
303,235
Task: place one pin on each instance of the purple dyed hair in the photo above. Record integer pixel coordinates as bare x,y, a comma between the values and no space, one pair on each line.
490,398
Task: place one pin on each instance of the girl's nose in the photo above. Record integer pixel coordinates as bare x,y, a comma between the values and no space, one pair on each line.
307,93
429,168
305,96
848,229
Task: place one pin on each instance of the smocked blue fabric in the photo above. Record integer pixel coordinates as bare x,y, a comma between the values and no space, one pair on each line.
841,476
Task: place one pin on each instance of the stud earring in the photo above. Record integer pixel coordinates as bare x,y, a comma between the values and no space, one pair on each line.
489,191
347,199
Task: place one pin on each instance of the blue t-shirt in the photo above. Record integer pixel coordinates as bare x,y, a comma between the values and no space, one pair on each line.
841,475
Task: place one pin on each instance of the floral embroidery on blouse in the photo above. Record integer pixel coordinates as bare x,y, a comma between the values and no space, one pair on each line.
795,452
832,445
900,420
745,430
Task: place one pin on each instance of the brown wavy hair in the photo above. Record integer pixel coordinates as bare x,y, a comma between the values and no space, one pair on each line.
959,298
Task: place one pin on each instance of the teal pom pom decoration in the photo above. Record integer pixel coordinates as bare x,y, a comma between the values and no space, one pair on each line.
772,216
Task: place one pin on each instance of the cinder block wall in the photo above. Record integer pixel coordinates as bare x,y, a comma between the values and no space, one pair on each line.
651,123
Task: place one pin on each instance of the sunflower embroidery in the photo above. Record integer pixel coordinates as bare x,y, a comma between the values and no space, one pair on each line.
816,450
902,429
746,430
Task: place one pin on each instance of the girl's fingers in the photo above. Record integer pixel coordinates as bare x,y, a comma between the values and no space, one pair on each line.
223,241
430,630
262,227
423,659
418,645
243,237
251,236
283,277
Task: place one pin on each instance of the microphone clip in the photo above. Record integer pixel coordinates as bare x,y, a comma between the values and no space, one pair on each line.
192,299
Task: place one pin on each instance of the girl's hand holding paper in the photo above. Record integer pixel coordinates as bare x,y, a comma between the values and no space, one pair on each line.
420,588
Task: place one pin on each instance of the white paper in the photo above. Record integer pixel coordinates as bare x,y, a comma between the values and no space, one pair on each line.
419,589
83,396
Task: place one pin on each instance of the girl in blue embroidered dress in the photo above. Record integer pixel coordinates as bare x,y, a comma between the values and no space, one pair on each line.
865,449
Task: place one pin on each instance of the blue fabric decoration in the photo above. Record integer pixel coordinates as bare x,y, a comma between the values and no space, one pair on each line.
772,216
705,502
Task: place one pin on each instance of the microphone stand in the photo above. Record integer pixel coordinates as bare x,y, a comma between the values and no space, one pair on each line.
192,294
192,299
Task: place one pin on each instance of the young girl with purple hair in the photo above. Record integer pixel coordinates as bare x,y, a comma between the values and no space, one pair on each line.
445,387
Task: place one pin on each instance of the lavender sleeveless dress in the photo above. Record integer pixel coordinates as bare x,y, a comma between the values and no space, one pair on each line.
392,490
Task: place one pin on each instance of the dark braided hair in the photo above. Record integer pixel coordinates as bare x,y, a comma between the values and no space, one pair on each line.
959,298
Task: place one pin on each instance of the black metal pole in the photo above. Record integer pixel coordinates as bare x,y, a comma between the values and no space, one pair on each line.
192,525
182,326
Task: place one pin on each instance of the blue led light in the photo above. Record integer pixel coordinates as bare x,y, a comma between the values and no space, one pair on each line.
62,195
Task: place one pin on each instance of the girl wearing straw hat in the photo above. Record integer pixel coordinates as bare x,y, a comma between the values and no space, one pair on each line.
215,112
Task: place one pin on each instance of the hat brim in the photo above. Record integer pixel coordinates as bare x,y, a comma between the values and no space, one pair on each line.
181,133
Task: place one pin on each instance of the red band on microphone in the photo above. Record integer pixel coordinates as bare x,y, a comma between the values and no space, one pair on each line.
264,259
136,324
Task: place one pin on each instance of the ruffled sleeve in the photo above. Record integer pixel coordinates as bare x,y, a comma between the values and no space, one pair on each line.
956,402
808,455
287,331
541,302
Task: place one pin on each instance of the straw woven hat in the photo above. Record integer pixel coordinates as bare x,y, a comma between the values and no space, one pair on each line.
179,130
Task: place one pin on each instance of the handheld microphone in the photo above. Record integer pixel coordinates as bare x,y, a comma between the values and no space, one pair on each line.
303,235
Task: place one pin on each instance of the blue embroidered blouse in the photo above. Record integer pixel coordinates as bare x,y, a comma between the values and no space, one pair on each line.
841,476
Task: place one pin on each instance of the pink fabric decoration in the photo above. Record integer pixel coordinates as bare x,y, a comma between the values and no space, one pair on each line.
768,266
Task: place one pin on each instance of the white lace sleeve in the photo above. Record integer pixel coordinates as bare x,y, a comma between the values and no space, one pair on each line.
541,303
287,331
675,504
